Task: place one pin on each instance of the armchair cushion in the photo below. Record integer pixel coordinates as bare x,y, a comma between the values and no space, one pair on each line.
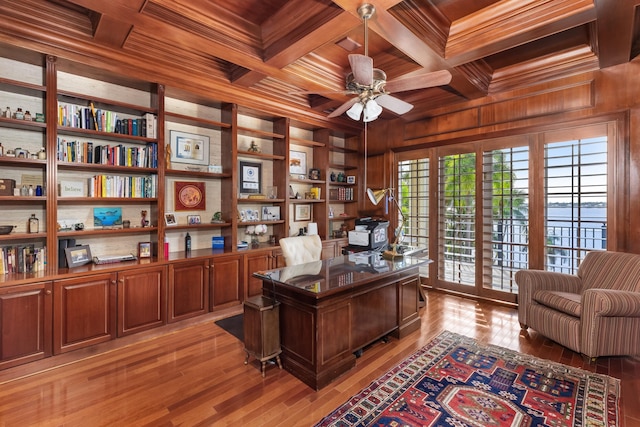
565,302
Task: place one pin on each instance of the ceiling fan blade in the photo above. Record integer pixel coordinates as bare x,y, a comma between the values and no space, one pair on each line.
344,107
393,104
362,68
319,92
420,81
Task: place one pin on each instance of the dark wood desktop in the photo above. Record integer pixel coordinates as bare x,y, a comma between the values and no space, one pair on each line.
331,309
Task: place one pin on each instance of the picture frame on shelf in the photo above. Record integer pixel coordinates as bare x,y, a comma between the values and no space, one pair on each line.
271,213
314,174
144,250
107,216
302,213
189,148
78,255
190,196
298,162
193,219
170,219
250,177
351,179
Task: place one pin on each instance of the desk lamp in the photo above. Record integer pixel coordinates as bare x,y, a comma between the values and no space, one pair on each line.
375,196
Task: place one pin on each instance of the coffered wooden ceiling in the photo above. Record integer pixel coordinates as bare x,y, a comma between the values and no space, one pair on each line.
259,51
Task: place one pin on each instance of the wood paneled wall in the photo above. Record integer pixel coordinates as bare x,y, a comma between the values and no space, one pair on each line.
612,94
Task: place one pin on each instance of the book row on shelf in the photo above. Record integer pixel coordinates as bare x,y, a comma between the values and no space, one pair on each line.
82,117
22,259
341,194
123,186
114,155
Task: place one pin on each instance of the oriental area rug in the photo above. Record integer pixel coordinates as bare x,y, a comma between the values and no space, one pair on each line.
454,381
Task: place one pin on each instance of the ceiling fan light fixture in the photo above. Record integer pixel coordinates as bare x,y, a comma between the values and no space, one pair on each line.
371,111
355,111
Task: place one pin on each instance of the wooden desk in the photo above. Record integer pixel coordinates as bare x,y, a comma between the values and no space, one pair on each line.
331,309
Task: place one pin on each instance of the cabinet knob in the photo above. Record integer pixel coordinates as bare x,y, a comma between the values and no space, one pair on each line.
113,282
47,292
208,266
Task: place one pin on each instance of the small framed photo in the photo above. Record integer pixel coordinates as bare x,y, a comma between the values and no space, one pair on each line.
189,148
302,213
193,219
298,162
314,174
271,213
144,250
78,255
170,218
351,179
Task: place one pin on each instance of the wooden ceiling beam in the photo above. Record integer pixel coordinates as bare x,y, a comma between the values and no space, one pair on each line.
177,36
615,47
110,31
509,24
290,42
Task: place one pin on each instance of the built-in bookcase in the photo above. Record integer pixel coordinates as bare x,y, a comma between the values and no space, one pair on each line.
106,144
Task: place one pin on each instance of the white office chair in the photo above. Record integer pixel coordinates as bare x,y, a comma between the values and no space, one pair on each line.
301,249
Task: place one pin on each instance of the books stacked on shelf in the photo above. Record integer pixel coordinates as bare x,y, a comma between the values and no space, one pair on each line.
82,117
341,194
118,155
22,259
123,186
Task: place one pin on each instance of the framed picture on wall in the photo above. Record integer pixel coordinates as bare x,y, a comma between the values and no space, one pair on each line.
189,148
302,213
250,177
298,162
190,196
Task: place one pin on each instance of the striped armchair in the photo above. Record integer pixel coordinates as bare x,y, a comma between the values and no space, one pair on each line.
596,312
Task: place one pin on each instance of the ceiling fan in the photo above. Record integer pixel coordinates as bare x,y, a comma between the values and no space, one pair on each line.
371,86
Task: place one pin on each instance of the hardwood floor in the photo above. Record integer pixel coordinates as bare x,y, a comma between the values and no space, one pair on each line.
195,376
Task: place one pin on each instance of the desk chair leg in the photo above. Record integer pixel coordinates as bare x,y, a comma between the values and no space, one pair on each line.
246,359
278,361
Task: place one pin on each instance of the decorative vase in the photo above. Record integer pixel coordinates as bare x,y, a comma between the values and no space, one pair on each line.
254,241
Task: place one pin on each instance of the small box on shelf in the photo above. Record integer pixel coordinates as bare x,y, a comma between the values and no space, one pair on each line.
217,242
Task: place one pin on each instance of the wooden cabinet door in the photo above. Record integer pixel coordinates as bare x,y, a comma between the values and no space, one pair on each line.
278,259
408,305
188,289
226,281
255,262
25,323
142,299
328,250
83,311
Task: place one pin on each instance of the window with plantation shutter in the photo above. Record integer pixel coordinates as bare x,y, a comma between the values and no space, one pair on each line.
505,202
413,197
456,218
575,201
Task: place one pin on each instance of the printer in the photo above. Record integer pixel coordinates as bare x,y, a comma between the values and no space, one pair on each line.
370,234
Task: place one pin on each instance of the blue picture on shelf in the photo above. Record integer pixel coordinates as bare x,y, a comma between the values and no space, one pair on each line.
107,217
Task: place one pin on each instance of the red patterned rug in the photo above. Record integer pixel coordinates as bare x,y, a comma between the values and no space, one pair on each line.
454,381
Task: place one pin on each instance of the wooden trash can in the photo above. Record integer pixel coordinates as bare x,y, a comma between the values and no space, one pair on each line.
262,330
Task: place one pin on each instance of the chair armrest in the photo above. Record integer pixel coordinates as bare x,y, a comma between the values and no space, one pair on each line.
611,303
536,280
